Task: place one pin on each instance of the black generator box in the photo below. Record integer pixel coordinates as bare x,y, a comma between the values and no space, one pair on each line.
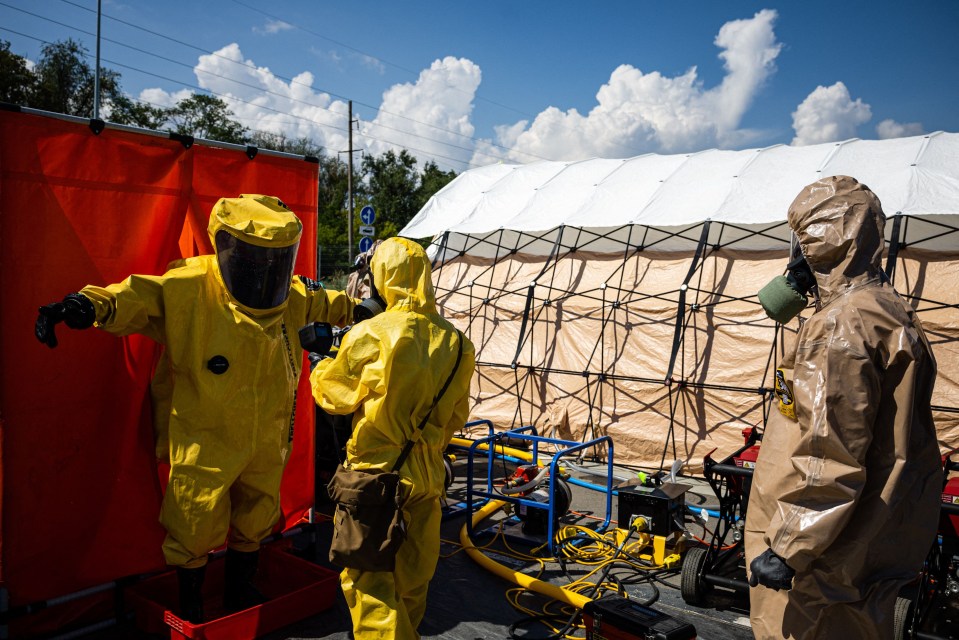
663,507
616,618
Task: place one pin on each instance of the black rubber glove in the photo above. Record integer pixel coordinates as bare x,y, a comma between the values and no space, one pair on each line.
771,571
76,311
316,358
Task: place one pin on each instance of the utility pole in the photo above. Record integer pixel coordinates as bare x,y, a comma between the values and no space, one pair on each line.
96,77
349,183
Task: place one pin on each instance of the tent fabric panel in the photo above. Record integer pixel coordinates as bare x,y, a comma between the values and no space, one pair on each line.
635,415
935,178
456,200
508,197
885,166
563,196
587,367
932,276
914,175
626,191
696,190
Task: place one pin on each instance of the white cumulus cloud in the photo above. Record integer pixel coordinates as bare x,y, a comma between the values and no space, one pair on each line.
430,117
638,112
273,26
889,128
828,114
261,101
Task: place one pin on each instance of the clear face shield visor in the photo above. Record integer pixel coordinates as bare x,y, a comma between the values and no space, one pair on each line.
257,277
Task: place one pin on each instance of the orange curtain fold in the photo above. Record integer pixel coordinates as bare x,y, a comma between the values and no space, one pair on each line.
80,489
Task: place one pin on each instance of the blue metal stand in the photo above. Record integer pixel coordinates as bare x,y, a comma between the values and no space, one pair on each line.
564,448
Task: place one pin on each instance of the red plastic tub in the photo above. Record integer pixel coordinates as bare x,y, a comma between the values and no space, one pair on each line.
296,589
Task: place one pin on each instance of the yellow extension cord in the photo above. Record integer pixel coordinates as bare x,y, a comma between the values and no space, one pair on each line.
569,594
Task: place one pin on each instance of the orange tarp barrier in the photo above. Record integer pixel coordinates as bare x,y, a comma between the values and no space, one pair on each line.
80,485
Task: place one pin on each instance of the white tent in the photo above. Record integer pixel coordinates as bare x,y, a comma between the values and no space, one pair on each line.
618,296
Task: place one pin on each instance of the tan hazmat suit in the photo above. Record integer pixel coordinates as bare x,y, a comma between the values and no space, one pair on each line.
847,492
227,431
387,372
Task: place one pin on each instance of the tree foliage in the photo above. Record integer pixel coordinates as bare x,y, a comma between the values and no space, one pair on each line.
208,117
393,181
16,79
433,180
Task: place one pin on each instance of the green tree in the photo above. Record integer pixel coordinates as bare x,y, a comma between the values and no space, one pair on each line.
332,233
125,110
65,82
432,180
393,182
278,142
208,117
16,79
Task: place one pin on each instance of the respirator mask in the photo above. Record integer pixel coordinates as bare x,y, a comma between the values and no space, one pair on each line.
369,307
785,296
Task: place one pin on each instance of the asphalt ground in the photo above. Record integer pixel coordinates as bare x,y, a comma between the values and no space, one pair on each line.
467,602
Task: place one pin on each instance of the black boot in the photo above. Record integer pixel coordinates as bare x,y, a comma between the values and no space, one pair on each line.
191,593
238,590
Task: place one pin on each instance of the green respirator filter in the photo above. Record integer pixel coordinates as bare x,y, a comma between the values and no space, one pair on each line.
780,301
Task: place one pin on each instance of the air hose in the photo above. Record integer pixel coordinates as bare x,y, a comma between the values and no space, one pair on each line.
500,449
517,578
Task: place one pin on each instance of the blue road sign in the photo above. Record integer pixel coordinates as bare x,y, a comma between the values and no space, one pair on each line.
365,243
367,215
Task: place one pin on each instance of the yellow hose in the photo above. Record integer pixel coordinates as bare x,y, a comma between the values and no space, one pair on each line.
500,449
521,579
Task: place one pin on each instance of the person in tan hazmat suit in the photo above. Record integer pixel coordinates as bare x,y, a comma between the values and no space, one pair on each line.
845,495
225,390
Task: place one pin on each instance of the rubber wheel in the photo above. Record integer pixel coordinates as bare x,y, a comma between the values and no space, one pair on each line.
902,618
448,469
691,582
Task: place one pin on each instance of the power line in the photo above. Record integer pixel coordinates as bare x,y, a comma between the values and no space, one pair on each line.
268,91
259,106
369,55
311,88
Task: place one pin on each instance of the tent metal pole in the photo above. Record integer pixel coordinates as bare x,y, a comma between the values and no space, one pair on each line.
681,307
441,254
531,290
893,248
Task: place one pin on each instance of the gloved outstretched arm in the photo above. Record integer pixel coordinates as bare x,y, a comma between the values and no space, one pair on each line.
771,571
75,310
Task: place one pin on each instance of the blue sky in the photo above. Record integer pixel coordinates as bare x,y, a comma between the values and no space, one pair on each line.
467,84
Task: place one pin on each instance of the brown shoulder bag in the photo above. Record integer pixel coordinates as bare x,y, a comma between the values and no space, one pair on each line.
368,524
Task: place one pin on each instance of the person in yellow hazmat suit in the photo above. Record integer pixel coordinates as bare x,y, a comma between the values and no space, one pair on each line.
388,370
845,495
225,391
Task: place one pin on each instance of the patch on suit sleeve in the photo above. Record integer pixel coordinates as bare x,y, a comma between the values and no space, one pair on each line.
784,391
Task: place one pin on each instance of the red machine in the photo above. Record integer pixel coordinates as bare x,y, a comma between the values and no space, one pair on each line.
933,614
722,562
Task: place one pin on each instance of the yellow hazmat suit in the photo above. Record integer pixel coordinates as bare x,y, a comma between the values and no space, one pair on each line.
227,384
847,492
388,370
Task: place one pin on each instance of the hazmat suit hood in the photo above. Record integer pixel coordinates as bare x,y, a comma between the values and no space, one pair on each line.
401,273
839,224
255,238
